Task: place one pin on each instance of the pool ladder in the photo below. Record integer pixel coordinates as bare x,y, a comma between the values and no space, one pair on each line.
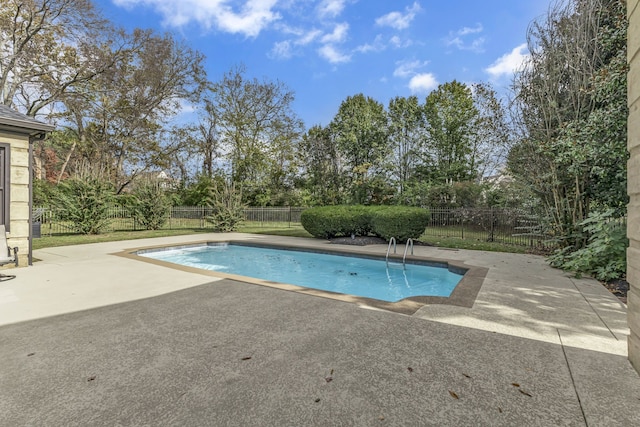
392,241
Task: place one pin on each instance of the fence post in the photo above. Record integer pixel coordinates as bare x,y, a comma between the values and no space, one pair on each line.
491,236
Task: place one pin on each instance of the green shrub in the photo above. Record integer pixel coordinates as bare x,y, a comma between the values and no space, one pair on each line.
401,222
604,256
355,220
385,221
198,192
319,222
85,203
227,207
150,205
44,193
322,222
336,221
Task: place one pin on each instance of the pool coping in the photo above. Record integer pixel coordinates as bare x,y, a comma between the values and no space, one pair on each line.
463,295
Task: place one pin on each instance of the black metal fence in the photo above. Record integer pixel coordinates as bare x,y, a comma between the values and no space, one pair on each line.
271,215
510,226
51,221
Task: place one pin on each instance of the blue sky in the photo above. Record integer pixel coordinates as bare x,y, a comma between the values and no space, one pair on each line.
326,50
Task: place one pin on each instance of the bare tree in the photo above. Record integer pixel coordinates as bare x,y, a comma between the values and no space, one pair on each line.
47,47
119,116
208,141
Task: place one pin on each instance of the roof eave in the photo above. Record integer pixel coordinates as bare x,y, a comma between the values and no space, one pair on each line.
26,127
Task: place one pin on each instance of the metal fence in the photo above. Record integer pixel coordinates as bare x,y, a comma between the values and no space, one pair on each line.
273,215
510,226
51,221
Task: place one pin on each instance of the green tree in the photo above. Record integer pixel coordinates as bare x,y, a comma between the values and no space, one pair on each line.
492,131
319,158
257,127
406,137
571,105
197,191
360,131
450,116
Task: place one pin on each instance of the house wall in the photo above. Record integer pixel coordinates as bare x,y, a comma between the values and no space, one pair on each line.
633,187
18,193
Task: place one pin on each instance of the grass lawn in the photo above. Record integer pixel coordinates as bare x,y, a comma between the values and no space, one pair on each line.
81,239
295,230
478,245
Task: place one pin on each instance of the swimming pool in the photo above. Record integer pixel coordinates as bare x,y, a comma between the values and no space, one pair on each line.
351,275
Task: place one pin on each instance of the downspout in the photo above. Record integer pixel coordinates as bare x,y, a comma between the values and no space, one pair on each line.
32,138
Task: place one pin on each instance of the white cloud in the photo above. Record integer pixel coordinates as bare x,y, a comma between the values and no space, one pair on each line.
457,39
286,28
399,20
408,68
395,40
476,45
307,38
338,35
330,8
286,49
421,83
378,45
327,43
302,37
509,63
281,50
331,54
470,30
398,43
250,20
328,50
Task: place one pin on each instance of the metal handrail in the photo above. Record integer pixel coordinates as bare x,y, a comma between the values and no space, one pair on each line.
409,241
391,240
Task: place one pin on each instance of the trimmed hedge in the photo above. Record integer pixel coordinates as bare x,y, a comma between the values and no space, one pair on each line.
400,222
336,221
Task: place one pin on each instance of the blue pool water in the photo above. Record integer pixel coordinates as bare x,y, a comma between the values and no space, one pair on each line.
343,274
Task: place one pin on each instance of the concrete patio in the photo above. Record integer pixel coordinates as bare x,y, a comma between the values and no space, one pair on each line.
90,338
